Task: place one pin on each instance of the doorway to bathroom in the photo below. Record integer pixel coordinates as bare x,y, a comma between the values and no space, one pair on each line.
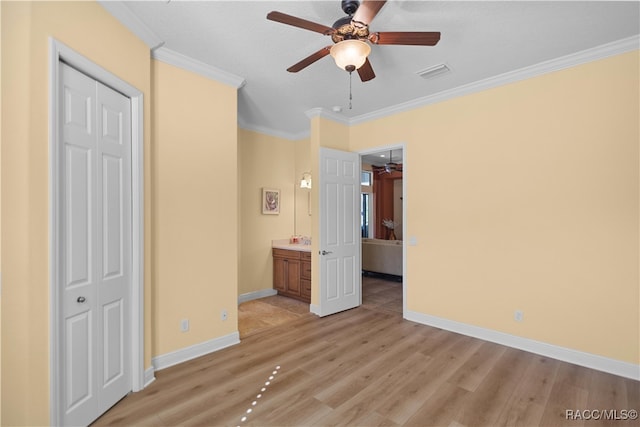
382,226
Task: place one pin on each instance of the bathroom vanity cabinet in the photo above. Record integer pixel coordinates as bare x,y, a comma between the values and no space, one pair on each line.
292,273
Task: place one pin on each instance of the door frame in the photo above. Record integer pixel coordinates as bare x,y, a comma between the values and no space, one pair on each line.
399,146
59,52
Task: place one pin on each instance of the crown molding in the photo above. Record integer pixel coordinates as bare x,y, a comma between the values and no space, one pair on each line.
122,13
327,114
187,63
130,20
272,132
589,55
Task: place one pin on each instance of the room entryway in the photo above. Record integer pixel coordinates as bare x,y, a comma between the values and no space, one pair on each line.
256,316
382,219
264,313
382,293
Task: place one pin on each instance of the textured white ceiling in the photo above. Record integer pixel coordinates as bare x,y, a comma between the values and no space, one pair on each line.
480,39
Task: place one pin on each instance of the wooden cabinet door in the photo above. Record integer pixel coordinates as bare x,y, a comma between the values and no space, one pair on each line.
293,277
305,289
280,274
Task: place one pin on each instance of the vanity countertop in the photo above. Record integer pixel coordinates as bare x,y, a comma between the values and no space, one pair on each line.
284,244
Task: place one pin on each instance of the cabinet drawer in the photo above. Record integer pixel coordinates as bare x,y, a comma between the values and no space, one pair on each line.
305,268
305,256
305,288
285,253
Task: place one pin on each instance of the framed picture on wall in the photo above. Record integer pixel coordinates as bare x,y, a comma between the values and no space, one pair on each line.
270,201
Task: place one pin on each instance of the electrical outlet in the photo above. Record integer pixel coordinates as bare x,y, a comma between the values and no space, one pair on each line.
184,325
224,315
518,316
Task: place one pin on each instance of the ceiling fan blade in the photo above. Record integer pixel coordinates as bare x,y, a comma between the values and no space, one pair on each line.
366,71
367,11
417,38
309,60
299,22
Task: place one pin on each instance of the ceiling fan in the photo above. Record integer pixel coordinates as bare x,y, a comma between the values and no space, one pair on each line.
388,167
351,37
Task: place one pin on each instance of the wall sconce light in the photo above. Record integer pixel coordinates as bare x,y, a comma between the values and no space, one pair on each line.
305,182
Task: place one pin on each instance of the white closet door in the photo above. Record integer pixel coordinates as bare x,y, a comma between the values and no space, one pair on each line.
95,252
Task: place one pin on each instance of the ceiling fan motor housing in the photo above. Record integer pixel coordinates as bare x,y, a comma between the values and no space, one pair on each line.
345,30
348,31
350,6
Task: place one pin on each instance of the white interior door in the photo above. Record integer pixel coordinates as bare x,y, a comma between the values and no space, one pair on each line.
95,246
340,270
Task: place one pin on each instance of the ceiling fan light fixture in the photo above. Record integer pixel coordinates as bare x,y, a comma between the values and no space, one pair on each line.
350,54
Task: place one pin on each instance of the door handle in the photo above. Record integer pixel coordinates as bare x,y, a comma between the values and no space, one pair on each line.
81,299
325,252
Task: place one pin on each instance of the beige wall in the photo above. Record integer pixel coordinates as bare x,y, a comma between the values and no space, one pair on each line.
522,197
525,197
26,27
195,193
265,161
303,218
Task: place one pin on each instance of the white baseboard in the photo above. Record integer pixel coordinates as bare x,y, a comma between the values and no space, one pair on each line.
262,293
593,361
315,309
197,350
149,376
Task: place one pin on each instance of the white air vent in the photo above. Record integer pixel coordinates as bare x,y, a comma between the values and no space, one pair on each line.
434,71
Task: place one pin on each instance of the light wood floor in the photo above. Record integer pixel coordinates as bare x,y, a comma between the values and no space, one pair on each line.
260,314
369,367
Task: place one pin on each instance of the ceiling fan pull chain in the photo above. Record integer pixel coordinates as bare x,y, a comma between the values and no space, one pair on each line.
350,96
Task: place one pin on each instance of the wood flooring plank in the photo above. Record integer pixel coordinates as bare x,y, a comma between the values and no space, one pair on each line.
401,387
151,420
403,401
441,408
341,358
211,404
163,393
231,411
290,403
474,371
487,402
292,338
376,420
304,412
608,395
526,405
569,393
366,370
280,396
369,398
370,367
